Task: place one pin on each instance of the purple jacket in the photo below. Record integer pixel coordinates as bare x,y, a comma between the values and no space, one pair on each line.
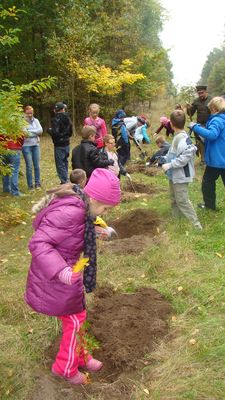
56,244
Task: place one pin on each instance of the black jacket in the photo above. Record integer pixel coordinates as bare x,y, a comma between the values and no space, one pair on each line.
87,156
61,129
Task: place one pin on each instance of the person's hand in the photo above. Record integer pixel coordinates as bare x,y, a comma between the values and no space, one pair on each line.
69,277
166,166
111,161
76,276
191,125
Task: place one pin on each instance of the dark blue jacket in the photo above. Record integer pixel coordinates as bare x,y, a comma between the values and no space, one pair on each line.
214,135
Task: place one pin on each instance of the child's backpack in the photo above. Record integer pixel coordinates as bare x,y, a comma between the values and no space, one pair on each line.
116,131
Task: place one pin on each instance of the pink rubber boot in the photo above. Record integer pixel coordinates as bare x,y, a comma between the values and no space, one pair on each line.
77,379
93,365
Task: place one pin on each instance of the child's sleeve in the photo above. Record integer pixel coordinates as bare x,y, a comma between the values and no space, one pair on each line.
182,159
55,228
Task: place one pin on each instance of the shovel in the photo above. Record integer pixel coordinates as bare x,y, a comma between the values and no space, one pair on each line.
131,182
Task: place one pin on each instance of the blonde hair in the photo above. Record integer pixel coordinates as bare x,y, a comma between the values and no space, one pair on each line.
94,106
107,138
217,103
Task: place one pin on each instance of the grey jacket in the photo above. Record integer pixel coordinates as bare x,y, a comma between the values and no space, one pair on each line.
33,131
181,159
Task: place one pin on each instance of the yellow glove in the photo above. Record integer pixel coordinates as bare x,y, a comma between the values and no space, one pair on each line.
99,221
81,264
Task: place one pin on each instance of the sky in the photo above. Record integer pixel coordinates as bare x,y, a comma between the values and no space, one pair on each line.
193,29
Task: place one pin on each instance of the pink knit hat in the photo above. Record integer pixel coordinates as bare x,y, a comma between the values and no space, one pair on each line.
104,186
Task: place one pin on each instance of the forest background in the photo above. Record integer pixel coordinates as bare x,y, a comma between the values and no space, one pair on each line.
103,51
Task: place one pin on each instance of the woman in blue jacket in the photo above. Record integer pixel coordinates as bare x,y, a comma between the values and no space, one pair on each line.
214,139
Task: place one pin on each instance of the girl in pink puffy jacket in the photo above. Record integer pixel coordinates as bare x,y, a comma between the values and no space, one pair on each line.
63,230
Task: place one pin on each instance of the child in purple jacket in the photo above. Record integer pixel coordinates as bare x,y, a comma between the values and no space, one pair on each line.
63,230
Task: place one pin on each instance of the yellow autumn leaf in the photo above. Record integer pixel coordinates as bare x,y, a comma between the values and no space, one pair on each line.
192,342
81,264
180,288
219,255
146,391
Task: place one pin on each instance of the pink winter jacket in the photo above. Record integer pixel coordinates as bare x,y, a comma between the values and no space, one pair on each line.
57,243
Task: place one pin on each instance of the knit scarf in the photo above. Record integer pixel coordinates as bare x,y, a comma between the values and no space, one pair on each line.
90,271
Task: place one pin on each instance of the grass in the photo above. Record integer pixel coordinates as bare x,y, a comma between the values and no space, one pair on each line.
187,267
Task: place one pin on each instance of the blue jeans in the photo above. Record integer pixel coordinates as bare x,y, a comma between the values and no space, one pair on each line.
32,158
10,182
61,162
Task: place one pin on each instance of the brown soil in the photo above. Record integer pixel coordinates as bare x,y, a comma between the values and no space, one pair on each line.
140,167
139,187
128,246
136,222
128,327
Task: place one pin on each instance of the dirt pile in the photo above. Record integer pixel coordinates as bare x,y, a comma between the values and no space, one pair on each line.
140,167
127,326
136,222
139,187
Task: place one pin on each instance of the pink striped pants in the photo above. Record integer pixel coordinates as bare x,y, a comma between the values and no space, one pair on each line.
71,355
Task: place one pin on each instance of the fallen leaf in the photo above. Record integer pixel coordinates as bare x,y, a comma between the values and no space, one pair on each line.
180,288
195,332
30,330
219,255
146,391
157,229
22,237
4,260
192,342
173,318
143,204
23,223
143,276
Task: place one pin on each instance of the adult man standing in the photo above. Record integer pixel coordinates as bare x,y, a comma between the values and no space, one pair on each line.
61,131
200,105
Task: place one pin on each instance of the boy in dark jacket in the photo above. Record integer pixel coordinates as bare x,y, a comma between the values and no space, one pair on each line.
86,155
61,131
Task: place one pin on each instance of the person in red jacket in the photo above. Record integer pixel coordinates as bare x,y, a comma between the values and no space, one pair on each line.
12,159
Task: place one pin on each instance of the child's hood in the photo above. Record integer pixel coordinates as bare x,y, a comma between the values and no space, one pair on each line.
55,204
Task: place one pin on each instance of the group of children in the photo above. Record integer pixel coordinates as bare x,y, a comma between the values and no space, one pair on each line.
66,230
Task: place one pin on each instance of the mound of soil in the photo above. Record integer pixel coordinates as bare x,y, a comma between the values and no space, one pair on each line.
140,167
139,187
128,246
128,327
136,222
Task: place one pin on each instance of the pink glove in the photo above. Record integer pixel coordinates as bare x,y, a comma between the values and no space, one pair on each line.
69,277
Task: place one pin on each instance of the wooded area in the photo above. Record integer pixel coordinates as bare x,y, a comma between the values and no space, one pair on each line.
107,52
